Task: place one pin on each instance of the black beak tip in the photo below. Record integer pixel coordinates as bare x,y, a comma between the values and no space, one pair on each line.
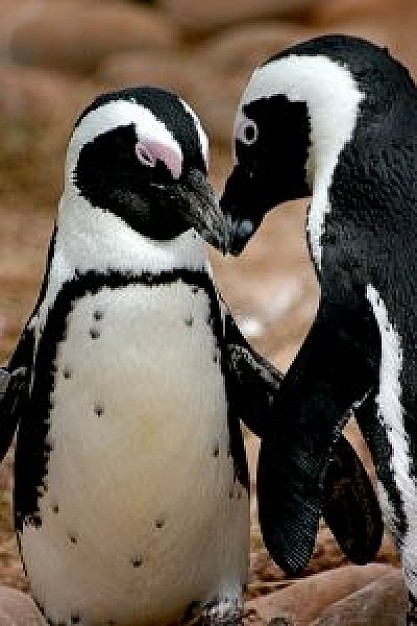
239,234
219,239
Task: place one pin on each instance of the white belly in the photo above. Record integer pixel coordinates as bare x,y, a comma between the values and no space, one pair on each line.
142,515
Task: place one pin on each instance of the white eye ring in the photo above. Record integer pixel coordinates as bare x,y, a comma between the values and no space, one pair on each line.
144,155
247,132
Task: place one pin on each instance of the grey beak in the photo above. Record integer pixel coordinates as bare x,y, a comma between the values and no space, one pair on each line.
201,210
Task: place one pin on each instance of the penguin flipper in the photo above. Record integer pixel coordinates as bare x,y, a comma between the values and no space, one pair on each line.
289,505
329,375
253,380
351,508
14,389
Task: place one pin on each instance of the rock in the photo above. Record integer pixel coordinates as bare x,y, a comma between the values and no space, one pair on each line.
18,609
325,12
381,603
32,93
239,49
202,18
76,36
175,71
304,601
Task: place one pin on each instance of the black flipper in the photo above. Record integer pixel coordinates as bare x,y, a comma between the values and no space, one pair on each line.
14,390
335,368
253,382
351,508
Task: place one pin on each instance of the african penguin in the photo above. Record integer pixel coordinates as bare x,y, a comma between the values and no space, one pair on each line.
336,118
131,486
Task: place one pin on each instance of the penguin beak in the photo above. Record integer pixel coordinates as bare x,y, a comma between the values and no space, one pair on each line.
240,231
201,211
240,206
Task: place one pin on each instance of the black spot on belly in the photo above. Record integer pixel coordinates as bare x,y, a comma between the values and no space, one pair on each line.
75,619
136,561
189,321
98,410
94,333
67,373
216,450
160,522
55,509
73,538
52,622
98,315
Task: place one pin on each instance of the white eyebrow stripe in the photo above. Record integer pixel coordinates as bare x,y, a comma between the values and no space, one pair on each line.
203,139
117,113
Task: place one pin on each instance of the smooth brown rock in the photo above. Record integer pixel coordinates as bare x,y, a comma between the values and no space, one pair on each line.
18,609
175,71
239,49
325,12
304,601
381,603
76,36
196,18
33,94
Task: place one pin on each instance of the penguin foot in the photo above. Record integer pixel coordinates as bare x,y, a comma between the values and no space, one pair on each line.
412,611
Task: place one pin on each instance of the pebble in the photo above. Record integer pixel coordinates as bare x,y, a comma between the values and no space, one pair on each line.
74,37
32,93
381,603
203,18
305,600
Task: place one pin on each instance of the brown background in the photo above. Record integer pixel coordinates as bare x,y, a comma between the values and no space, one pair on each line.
55,55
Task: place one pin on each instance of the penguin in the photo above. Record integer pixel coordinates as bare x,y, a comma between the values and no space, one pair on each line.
335,118
131,484
128,383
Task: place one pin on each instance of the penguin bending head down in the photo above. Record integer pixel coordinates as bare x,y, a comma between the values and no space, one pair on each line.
131,486
336,118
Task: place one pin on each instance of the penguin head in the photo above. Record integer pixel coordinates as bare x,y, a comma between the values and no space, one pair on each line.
142,154
296,115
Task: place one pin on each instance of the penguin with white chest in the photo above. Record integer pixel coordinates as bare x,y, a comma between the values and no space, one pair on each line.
131,486
336,118
127,385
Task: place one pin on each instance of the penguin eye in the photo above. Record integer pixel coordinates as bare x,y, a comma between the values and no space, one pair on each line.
247,132
144,155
